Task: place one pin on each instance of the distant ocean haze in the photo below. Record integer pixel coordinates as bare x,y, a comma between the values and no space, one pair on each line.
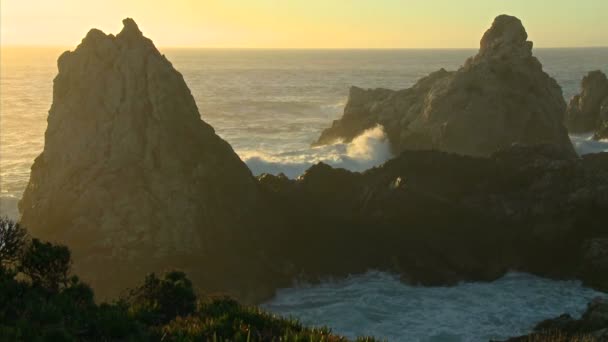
270,105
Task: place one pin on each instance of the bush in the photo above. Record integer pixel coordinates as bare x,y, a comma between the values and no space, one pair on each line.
47,265
40,301
12,240
159,301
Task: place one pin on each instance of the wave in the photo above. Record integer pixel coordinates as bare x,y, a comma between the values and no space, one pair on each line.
378,304
367,150
584,144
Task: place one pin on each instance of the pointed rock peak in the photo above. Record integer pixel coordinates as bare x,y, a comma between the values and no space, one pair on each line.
129,25
130,30
595,77
507,35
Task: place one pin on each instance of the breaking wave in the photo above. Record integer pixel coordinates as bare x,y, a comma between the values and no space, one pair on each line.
584,144
367,150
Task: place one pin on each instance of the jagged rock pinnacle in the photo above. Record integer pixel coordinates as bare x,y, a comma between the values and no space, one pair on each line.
130,29
506,37
129,167
588,111
500,96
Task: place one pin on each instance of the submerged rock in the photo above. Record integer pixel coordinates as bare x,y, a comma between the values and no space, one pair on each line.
131,178
499,97
588,111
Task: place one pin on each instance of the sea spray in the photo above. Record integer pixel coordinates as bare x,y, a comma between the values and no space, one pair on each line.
585,144
367,150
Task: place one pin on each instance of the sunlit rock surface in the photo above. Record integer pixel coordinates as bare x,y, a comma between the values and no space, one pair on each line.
130,177
499,97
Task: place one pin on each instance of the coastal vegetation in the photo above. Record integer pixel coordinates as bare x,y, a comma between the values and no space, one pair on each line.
41,300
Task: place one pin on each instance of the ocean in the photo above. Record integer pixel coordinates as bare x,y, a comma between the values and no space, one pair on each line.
270,105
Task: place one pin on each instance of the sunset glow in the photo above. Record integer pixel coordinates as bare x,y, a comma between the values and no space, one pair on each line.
304,24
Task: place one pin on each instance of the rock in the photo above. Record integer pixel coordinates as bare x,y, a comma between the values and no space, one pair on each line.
437,218
131,178
595,262
133,181
588,111
499,97
596,316
602,131
592,326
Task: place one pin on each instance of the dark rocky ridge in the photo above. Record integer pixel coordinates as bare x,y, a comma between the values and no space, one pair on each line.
439,218
499,97
588,111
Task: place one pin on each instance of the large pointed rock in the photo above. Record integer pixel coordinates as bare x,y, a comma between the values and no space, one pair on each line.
501,96
588,111
131,178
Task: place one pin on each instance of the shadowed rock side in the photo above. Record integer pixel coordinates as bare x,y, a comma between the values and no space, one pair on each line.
439,218
130,177
499,97
592,326
588,111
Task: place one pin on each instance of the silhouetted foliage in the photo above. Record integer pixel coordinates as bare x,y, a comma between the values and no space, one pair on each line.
41,301
12,240
47,265
160,300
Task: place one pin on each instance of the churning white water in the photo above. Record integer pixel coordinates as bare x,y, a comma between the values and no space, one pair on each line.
270,105
379,304
369,149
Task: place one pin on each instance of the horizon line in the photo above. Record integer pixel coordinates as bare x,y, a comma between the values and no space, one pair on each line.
300,48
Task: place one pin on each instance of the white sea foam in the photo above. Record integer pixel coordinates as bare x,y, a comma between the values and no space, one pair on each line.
369,149
584,144
379,304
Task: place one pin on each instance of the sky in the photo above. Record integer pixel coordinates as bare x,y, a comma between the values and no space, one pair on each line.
304,23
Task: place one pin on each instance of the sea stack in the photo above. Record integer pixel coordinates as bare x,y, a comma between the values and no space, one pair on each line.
500,97
588,111
131,178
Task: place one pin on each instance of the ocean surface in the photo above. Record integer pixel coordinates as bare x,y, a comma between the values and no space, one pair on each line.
270,105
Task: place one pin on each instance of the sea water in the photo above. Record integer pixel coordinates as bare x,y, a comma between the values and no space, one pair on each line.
270,105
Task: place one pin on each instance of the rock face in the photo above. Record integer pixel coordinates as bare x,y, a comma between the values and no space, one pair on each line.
130,177
133,182
588,111
437,218
593,325
499,97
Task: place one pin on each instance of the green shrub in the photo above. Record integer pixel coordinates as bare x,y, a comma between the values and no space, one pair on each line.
47,265
159,300
41,301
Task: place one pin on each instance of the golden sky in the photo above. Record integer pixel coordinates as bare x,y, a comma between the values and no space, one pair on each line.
304,23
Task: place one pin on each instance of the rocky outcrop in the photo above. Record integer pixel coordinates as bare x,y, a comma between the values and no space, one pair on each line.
438,218
131,178
499,97
588,111
133,181
592,326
